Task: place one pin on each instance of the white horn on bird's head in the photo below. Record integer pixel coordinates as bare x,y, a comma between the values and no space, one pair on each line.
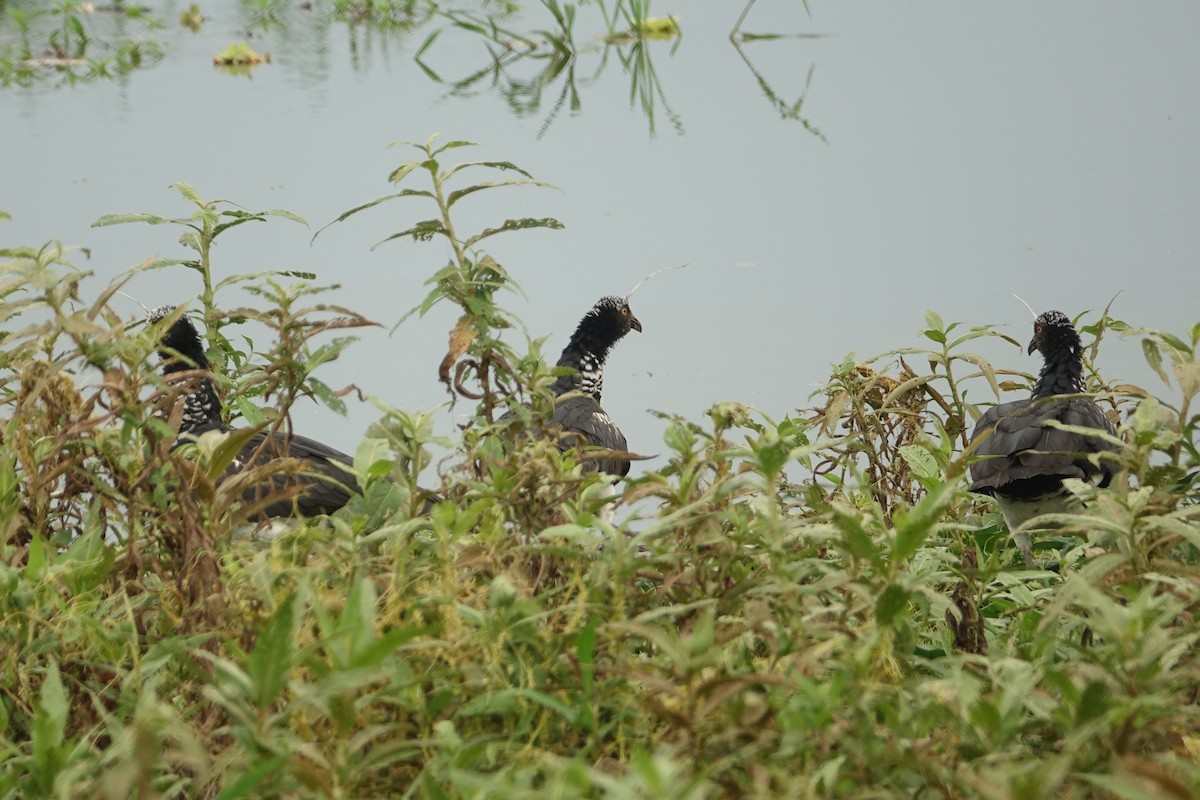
651,275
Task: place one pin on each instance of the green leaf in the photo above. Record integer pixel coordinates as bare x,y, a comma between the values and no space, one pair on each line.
452,145
505,701
400,173
283,213
270,665
906,387
567,530
585,651
974,333
454,197
915,526
985,368
328,352
238,218
921,461
376,652
855,538
500,165
193,241
188,191
1154,359
49,723
679,436
372,203
1094,702
247,785
986,716
243,277
509,700
429,40
228,446
890,603
515,225
1175,343
373,459
121,219
421,232
326,395
252,414
36,558
356,627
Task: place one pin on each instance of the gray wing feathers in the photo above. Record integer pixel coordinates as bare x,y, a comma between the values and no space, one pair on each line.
319,486
584,424
1014,443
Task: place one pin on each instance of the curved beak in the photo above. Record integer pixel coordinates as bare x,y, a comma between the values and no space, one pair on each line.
1033,344
635,324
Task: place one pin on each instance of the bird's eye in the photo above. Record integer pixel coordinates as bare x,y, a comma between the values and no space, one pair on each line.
1037,328
624,311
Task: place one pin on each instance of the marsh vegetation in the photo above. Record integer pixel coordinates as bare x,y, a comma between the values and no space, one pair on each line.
810,606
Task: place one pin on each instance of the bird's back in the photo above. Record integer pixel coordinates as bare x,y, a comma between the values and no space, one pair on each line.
323,477
1019,451
583,423
314,483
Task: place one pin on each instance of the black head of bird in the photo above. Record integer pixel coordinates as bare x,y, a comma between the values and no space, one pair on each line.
609,320
1062,351
180,339
180,350
602,327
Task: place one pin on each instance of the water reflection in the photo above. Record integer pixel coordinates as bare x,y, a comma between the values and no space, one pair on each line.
788,110
645,87
73,42
528,69
540,63
525,69
792,110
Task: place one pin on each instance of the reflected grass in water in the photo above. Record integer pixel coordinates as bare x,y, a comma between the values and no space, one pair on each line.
74,42
540,64
787,110
555,53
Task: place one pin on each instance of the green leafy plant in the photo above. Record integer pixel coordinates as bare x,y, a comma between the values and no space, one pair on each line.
811,605
471,279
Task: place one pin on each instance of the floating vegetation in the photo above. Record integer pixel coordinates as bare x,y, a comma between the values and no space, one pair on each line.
239,58
647,28
191,18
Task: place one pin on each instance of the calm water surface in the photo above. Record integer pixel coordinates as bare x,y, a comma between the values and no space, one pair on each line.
944,156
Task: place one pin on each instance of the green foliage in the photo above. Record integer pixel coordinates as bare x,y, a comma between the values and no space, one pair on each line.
239,57
804,607
470,280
